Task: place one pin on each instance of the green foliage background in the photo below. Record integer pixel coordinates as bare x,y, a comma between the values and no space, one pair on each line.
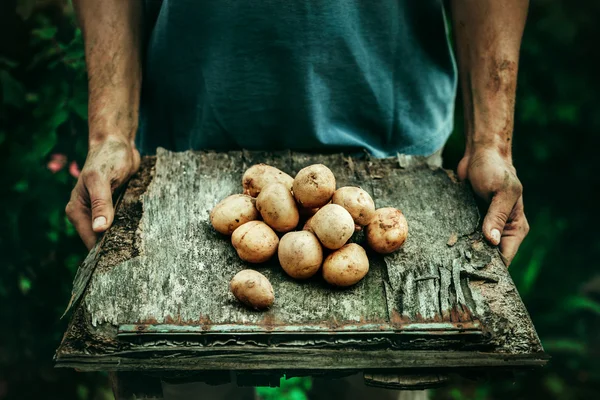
556,148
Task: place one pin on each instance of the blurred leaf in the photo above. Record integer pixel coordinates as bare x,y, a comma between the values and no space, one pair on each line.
13,91
267,393
48,53
54,219
533,268
578,303
59,117
45,33
8,63
290,389
69,228
21,186
43,144
304,382
74,53
555,384
82,392
62,176
307,383
24,284
565,346
79,106
456,394
52,236
296,394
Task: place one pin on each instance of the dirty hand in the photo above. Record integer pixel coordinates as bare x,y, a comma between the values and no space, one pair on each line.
108,165
494,179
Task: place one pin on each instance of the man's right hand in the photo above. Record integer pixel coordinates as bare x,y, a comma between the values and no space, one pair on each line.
109,164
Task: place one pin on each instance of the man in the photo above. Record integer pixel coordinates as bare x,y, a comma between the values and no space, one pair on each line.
308,75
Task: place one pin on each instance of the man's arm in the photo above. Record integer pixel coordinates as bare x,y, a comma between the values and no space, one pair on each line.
112,32
488,37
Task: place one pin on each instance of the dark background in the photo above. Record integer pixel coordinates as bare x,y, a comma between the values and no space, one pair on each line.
556,148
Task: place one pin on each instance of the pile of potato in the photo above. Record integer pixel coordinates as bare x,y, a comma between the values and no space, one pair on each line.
275,203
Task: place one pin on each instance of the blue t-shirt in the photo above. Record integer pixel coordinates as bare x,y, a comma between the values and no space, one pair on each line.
306,75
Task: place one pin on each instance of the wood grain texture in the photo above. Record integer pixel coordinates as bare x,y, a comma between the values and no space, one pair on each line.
184,269
310,359
161,281
406,382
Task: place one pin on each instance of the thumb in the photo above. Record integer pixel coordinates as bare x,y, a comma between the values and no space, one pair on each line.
500,209
100,203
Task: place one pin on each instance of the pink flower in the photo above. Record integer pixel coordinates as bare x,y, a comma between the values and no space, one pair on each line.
74,169
57,162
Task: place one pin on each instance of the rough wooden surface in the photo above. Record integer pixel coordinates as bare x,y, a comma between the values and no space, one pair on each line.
406,382
160,280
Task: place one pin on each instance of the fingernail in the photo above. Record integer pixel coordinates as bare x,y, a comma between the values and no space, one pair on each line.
98,222
495,234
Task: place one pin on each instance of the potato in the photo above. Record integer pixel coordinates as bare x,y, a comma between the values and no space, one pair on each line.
307,225
253,289
313,186
259,176
232,212
255,241
333,225
278,207
358,203
387,231
300,254
346,266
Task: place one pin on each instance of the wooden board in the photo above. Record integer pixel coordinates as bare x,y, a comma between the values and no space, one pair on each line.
158,294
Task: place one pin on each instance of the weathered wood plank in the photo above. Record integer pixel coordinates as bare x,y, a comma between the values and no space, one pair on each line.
188,283
436,209
160,284
406,382
309,360
124,232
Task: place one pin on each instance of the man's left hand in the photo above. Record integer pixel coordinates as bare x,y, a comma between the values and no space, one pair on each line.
494,179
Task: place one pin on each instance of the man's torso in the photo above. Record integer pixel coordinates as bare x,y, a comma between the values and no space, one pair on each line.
307,75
